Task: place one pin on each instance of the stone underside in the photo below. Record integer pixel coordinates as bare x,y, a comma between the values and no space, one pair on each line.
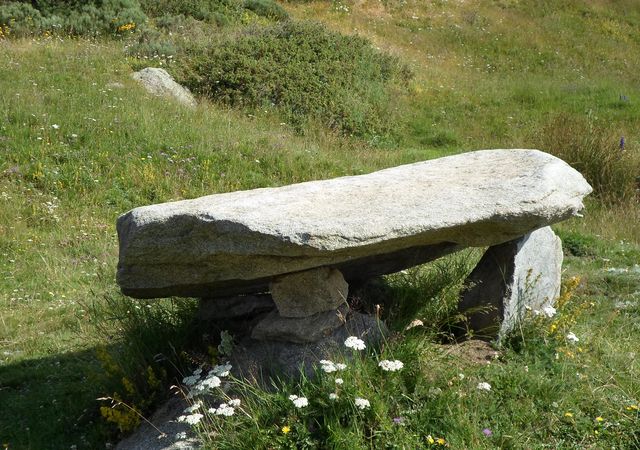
368,225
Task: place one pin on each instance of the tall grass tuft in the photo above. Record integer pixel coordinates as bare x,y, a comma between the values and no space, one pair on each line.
595,150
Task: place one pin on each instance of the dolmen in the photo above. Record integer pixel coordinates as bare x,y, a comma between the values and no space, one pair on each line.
302,246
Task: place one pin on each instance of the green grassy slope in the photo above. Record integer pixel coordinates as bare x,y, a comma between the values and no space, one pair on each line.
77,150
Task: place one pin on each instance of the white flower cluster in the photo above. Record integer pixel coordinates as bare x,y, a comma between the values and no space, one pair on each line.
571,337
355,343
199,386
548,311
299,402
330,366
390,366
191,419
484,386
362,403
221,370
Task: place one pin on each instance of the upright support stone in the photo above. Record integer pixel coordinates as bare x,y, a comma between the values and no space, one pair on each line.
510,277
311,305
303,294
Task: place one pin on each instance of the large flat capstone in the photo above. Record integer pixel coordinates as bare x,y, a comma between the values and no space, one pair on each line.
366,225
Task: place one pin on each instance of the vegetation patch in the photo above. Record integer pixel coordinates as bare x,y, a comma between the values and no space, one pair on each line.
91,17
306,72
609,164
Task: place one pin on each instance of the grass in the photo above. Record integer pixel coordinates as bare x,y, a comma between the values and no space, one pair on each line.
487,75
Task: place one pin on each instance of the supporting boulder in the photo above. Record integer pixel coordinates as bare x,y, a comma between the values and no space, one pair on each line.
509,279
309,292
300,330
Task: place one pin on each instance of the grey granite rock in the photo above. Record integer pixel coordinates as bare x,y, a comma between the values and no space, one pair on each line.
300,330
158,82
260,360
305,293
366,225
509,279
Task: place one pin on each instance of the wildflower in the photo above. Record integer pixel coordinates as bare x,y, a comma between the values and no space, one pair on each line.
235,402
487,432
362,403
285,429
196,406
549,311
632,408
190,380
621,142
355,343
568,414
572,338
339,381
221,370
191,419
211,382
224,410
181,435
398,420
484,386
299,402
441,441
333,396
328,366
390,366
599,419
431,440
55,126
340,366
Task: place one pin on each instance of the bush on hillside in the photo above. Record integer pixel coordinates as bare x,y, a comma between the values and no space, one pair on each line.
594,150
213,11
71,16
303,70
267,8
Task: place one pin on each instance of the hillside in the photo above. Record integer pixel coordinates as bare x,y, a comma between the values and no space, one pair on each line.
81,143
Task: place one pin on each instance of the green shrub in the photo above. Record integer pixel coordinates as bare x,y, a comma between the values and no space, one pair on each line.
267,8
71,16
214,11
594,150
303,70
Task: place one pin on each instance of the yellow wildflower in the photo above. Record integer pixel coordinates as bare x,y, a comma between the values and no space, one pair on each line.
286,429
441,441
632,408
599,419
430,440
568,414
127,27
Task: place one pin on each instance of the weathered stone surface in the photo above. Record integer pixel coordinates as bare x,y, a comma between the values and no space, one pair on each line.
260,360
159,82
364,226
520,273
306,293
162,434
233,307
301,330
